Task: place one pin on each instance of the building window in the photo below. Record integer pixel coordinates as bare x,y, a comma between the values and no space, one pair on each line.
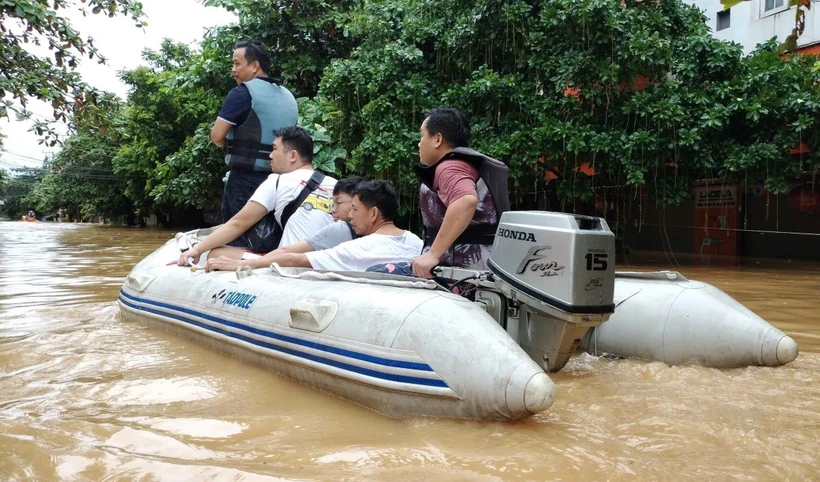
724,19
772,4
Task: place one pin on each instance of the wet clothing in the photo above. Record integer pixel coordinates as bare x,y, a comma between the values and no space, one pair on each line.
255,108
461,172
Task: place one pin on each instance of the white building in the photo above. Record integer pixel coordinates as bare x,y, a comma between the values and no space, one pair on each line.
754,21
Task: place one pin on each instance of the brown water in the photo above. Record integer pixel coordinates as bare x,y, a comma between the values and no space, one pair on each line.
84,396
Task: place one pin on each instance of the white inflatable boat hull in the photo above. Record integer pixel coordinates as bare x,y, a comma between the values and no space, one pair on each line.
665,317
404,346
397,350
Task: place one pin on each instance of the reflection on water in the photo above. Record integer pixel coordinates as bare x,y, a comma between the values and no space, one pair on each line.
84,396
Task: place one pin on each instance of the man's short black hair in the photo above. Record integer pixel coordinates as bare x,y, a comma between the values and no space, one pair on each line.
296,139
451,123
255,51
347,185
379,194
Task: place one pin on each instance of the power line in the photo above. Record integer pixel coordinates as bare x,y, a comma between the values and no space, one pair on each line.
739,230
17,154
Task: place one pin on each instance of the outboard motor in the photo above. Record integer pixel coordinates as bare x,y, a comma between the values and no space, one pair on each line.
553,280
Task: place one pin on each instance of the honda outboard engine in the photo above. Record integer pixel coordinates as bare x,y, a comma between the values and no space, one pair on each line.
556,273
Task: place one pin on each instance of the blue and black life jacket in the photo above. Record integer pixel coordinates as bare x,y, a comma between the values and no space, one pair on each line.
249,143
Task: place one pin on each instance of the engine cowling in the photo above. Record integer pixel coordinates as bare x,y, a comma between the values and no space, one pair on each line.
557,275
563,260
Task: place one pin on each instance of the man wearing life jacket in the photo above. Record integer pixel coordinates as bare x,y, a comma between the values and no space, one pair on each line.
462,194
295,197
252,110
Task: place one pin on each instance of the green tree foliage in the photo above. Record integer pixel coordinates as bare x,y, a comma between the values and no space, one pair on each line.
32,26
160,118
303,36
80,178
4,180
640,90
17,189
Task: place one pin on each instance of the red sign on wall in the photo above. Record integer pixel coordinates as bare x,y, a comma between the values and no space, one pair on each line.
717,211
805,198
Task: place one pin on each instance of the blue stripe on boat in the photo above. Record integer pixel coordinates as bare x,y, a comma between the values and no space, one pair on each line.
318,346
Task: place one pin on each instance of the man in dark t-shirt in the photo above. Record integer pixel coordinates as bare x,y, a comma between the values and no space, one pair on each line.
256,107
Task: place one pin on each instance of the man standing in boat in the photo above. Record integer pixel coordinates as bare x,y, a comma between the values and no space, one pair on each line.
373,208
252,110
295,197
462,195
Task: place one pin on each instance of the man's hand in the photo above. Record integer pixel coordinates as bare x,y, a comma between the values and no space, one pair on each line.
192,254
423,264
222,263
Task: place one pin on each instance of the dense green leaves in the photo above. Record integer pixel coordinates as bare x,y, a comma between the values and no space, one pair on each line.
28,26
17,189
637,91
81,179
167,135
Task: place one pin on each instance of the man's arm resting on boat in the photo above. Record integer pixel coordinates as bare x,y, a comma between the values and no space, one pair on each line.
300,247
286,260
244,220
456,219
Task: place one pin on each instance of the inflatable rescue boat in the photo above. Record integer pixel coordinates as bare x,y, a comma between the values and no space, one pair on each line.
404,346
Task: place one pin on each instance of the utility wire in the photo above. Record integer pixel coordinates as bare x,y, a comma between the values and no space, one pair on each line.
739,230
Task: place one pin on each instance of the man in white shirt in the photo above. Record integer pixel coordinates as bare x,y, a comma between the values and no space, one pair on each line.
291,163
338,232
374,206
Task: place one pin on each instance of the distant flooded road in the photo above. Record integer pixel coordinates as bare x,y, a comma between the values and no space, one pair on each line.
87,397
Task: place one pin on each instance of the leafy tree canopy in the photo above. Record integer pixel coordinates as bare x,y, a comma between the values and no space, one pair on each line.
17,188
80,179
39,51
638,92
158,119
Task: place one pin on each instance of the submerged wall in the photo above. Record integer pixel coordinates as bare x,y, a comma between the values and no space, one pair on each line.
786,226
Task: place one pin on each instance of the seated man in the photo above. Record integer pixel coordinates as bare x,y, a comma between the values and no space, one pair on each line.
374,206
334,234
462,194
291,163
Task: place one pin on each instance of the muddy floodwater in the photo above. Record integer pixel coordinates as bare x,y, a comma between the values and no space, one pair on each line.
85,396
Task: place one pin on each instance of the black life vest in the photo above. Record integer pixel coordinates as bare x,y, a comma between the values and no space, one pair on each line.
493,198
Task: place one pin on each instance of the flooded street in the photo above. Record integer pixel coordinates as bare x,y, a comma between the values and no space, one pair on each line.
86,396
